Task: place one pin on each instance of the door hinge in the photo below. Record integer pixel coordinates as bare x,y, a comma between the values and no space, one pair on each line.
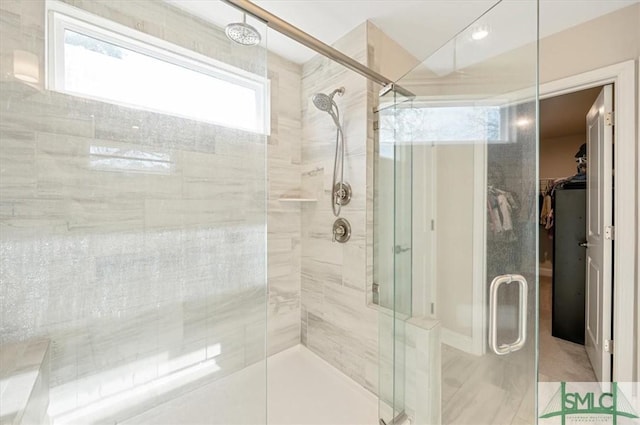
433,225
609,232
609,118
608,345
376,125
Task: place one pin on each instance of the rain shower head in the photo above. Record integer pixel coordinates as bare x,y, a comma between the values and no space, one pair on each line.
243,33
325,102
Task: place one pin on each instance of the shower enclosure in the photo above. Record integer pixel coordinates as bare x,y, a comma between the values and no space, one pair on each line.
133,220
133,238
455,227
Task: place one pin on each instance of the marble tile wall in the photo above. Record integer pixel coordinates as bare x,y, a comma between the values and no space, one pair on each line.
337,323
135,274
284,248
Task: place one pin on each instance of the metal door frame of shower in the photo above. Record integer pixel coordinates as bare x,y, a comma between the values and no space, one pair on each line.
295,33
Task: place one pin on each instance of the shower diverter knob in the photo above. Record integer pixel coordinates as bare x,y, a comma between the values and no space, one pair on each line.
341,230
342,193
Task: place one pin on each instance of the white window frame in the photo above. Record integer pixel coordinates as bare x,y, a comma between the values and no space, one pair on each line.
62,17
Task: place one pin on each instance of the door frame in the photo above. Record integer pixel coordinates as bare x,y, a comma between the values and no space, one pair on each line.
622,76
637,335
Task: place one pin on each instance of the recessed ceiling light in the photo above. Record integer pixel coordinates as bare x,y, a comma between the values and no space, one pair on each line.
480,33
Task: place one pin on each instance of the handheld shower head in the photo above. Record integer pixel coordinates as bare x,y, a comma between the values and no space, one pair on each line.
325,102
341,190
322,102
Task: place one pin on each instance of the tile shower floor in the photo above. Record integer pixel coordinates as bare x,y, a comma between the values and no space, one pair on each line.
303,390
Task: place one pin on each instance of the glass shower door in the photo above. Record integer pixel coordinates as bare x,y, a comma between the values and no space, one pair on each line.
459,323
392,261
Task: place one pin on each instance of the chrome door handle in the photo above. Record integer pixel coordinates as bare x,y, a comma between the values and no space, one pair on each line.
522,314
584,244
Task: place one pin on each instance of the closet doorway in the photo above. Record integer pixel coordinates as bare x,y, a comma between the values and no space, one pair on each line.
575,254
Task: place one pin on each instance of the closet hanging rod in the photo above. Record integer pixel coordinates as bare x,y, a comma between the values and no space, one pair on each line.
296,34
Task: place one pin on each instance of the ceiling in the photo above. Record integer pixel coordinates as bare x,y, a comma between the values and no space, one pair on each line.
421,26
567,114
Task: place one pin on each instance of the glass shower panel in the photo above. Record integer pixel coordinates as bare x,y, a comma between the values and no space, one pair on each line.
133,216
464,152
392,259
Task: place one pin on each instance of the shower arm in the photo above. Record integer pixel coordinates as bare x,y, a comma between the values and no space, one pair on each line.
296,34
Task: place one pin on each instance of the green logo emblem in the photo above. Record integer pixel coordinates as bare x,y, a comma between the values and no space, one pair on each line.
564,403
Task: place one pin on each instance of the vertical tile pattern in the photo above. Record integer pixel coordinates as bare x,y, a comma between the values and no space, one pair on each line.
136,274
337,324
284,151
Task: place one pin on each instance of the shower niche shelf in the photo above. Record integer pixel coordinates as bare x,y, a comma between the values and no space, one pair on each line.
296,199
297,196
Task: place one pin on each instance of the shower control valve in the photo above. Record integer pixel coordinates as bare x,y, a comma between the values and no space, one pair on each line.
341,230
342,193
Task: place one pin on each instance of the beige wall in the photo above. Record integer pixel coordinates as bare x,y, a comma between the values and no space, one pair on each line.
557,155
454,242
607,40
386,56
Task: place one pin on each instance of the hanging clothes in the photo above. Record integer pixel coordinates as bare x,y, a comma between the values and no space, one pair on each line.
546,208
546,213
500,207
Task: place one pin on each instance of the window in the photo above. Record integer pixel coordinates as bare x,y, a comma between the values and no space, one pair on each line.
98,59
452,123
442,123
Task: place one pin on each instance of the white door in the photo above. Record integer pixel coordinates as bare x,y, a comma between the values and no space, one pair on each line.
599,234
